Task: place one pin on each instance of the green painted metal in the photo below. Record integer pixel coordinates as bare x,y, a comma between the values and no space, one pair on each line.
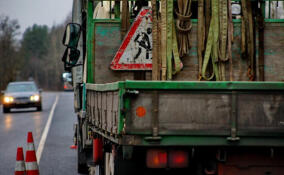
90,44
206,133
84,97
214,141
124,105
204,85
188,85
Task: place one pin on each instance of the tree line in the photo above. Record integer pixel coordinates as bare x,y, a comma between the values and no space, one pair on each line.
37,55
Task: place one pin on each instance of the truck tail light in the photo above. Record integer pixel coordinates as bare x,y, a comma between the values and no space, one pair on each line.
157,158
178,159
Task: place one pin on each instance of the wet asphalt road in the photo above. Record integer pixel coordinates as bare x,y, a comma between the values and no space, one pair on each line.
57,157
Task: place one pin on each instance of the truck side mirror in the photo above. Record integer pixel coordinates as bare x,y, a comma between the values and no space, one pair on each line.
70,58
71,35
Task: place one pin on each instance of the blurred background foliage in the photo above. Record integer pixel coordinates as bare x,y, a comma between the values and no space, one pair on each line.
36,55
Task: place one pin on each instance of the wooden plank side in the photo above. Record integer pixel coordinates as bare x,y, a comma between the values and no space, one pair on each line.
109,103
99,109
115,112
104,111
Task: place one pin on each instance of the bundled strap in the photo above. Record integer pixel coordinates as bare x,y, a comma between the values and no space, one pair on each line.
183,24
155,36
218,41
173,59
248,39
164,38
211,51
170,18
200,36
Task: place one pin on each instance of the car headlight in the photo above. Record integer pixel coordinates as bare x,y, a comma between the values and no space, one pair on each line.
8,99
34,98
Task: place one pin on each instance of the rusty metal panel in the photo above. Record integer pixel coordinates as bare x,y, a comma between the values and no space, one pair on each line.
261,111
107,42
192,111
274,52
179,111
140,123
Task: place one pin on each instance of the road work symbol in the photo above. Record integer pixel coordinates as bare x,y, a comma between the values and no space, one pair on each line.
135,52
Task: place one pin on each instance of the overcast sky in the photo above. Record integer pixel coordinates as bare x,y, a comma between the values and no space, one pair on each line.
29,12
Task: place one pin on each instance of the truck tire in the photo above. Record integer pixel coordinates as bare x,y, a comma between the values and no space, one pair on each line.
82,166
81,160
6,110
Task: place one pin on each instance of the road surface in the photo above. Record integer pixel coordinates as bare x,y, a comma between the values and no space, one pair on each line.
54,132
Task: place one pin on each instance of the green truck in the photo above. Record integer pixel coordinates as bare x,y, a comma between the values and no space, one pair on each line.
154,93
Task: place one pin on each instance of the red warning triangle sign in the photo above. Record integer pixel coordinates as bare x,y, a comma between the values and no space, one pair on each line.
135,52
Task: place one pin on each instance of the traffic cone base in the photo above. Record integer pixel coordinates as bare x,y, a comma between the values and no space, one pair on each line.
20,164
31,161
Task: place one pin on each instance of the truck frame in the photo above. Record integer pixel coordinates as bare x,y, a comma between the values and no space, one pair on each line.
130,123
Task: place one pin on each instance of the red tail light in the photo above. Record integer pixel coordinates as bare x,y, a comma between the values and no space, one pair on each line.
178,159
157,158
65,86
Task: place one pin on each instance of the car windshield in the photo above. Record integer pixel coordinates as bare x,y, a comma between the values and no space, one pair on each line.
25,87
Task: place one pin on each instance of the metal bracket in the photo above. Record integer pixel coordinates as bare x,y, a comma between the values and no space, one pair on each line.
234,119
83,114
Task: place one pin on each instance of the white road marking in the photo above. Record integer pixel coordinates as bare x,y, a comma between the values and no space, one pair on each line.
46,130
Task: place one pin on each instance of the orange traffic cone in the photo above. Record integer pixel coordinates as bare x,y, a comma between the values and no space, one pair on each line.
20,164
31,162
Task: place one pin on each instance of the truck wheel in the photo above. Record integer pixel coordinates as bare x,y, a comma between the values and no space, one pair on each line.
81,160
82,166
6,110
